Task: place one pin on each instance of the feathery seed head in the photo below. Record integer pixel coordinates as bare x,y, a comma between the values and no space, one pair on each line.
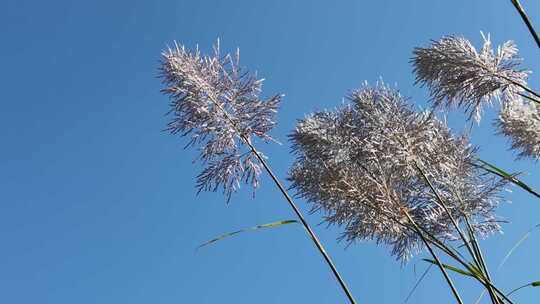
358,165
519,120
457,75
217,104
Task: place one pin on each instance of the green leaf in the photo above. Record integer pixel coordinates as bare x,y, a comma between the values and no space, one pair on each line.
262,226
500,172
454,269
535,284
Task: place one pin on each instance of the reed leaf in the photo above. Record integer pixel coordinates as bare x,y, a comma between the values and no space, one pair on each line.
257,227
452,268
500,172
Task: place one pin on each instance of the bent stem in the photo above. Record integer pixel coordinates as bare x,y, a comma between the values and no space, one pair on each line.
283,191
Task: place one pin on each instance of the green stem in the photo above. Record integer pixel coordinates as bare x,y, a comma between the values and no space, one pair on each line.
304,222
523,15
471,248
480,257
520,287
486,281
283,191
447,211
434,255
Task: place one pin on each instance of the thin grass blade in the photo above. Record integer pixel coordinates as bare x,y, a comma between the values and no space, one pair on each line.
532,284
257,227
452,268
417,283
517,244
500,172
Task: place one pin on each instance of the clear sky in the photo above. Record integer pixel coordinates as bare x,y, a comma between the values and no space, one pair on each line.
97,204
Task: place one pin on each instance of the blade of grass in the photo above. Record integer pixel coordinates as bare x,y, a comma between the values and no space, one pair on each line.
478,259
510,252
257,227
450,267
473,275
417,283
517,244
500,172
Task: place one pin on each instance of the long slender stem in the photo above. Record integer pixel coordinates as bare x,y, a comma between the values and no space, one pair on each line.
529,90
486,281
478,259
529,98
460,260
520,287
523,15
522,86
283,191
525,88
304,222
443,204
434,255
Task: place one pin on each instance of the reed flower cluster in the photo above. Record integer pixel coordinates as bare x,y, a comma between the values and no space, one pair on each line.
458,75
375,166
359,165
519,120
216,103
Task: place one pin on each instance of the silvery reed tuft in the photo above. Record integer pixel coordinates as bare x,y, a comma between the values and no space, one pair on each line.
457,75
519,120
359,165
217,103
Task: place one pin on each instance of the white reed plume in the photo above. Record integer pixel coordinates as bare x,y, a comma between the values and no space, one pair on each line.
358,164
459,76
217,104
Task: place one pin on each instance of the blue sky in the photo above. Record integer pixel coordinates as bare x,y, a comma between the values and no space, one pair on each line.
98,204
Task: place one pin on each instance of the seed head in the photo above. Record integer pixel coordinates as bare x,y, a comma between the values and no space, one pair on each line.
217,104
357,164
459,76
519,120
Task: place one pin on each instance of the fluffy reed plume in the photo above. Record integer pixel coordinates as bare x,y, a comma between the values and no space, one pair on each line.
459,76
217,104
519,120
358,165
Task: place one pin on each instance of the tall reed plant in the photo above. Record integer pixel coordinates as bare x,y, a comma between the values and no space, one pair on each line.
375,166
